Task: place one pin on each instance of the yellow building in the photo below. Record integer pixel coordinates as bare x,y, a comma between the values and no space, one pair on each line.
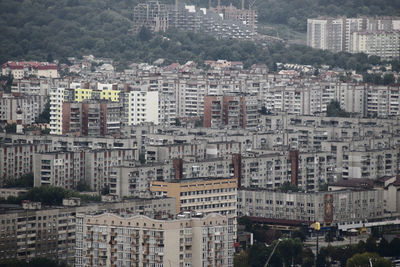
112,95
201,195
82,94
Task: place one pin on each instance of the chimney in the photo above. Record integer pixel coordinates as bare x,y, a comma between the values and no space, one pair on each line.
294,160
237,168
178,168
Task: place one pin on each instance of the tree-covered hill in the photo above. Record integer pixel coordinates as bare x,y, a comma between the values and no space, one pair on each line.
48,29
295,12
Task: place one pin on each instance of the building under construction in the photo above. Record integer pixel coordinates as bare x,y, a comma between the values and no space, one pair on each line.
222,21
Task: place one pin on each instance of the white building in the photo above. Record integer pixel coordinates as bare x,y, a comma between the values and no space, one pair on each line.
385,44
141,106
56,103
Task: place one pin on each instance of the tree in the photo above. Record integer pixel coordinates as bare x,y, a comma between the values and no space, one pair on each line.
35,262
384,248
11,128
370,244
241,259
177,122
258,254
287,186
24,181
290,251
388,79
334,110
142,158
307,257
368,259
144,34
394,247
82,186
44,117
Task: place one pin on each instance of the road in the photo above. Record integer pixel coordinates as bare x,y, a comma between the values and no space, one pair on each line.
311,243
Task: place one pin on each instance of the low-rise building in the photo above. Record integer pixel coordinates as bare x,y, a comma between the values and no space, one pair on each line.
329,207
201,194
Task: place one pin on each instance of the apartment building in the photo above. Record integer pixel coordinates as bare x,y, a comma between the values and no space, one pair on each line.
197,149
374,36
371,163
67,169
384,44
74,143
50,232
30,107
18,159
132,178
126,240
93,118
56,100
200,194
330,207
230,111
142,106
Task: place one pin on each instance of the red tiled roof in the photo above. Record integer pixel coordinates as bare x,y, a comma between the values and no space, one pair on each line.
28,64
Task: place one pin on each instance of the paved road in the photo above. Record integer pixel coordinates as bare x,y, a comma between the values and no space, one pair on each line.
311,243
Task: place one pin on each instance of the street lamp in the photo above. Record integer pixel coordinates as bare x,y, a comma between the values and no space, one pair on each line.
272,253
317,227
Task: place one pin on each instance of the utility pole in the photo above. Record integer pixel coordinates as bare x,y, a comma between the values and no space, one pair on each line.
317,227
272,253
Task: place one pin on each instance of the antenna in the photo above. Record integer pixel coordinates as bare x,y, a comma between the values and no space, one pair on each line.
176,13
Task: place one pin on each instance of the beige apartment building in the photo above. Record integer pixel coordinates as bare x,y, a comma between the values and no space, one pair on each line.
201,195
35,231
123,240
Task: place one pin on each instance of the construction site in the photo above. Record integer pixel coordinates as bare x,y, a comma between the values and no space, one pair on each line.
223,22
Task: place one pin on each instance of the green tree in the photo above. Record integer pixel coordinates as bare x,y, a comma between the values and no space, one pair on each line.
82,186
307,258
334,110
287,186
384,248
44,117
11,128
290,251
394,247
258,254
145,34
241,259
177,122
142,157
368,259
24,181
388,79
370,244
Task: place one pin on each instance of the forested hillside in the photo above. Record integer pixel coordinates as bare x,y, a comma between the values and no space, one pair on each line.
294,13
47,29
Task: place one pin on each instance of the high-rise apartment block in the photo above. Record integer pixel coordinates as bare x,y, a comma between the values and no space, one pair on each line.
67,169
231,111
373,36
128,240
34,231
141,106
